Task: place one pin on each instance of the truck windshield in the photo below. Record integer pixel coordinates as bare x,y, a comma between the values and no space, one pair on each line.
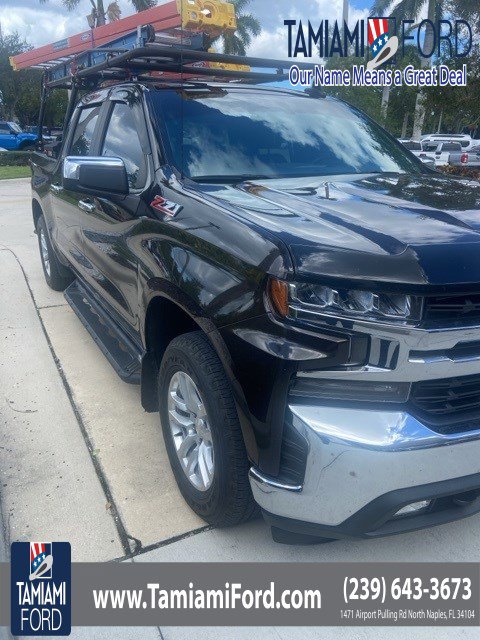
218,134
14,127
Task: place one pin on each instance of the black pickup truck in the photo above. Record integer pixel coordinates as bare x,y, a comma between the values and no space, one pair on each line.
295,293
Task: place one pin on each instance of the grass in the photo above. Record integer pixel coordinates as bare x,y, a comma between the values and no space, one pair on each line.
14,172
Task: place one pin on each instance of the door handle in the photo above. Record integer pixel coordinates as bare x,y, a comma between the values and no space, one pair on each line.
86,205
56,188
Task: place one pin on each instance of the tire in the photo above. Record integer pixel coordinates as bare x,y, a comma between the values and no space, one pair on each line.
57,276
228,500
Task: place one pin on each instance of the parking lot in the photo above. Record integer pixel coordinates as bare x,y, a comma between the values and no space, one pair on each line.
81,461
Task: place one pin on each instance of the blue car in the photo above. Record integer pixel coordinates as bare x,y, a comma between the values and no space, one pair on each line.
13,138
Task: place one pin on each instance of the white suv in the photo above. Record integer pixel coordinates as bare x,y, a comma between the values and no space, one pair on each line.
464,139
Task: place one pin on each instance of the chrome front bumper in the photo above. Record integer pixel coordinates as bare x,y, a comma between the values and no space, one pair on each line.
357,455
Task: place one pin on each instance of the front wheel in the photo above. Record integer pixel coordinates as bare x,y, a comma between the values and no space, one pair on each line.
57,276
202,432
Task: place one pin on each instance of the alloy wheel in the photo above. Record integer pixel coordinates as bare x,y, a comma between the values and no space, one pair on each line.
190,429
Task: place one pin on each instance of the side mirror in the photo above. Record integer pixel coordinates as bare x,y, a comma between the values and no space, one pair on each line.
95,175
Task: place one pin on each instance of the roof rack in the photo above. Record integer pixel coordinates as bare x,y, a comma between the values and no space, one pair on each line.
164,42
154,62
167,39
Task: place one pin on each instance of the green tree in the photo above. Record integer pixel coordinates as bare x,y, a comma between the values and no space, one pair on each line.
455,109
247,26
20,90
100,12
410,10
436,10
467,9
16,86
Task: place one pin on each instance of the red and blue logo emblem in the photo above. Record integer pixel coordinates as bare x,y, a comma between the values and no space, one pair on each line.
383,46
41,560
40,586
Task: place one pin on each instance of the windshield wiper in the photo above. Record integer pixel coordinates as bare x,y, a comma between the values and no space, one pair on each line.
234,178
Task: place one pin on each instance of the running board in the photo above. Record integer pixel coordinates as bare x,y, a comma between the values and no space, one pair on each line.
119,349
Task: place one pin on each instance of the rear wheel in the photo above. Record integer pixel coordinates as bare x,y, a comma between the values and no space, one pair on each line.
57,276
202,432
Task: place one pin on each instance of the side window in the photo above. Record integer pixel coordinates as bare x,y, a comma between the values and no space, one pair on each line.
121,141
82,138
4,128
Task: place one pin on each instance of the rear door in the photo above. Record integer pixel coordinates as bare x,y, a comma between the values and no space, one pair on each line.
110,224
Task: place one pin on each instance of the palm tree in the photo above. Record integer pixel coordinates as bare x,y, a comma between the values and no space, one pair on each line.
247,26
99,13
410,10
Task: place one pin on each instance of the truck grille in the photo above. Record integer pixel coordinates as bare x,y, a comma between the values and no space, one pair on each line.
449,405
460,309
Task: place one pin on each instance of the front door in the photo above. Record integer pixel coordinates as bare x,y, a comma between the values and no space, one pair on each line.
66,204
109,224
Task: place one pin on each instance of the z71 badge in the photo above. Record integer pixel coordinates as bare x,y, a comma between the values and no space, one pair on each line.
165,206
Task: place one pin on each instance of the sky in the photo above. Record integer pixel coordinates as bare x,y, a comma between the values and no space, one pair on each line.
41,23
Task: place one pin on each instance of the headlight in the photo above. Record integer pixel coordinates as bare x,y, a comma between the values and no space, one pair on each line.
303,299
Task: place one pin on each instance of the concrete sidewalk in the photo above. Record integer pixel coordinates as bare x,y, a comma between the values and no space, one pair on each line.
49,485
253,543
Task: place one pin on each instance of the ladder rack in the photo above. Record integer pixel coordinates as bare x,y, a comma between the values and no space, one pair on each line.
179,18
165,42
155,62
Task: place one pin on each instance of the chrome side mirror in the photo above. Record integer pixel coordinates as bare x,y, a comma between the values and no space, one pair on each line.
95,175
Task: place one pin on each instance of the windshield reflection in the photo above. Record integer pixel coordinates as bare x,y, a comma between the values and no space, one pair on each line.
244,134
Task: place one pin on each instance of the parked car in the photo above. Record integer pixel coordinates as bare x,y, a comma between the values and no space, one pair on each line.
47,134
464,139
439,152
415,147
469,158
412,145
13,138
305,319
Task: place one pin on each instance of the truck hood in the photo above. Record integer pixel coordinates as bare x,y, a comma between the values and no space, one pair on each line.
409,229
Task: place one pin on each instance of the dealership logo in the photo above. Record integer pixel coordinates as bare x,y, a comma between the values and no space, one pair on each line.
41,560
331,40
40,588
379,37
382,45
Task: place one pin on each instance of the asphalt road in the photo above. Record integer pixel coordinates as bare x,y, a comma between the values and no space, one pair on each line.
81,461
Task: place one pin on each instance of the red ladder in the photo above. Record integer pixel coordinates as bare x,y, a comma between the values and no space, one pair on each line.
208,16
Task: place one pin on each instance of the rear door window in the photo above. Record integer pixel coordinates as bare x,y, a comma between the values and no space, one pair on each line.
82,138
